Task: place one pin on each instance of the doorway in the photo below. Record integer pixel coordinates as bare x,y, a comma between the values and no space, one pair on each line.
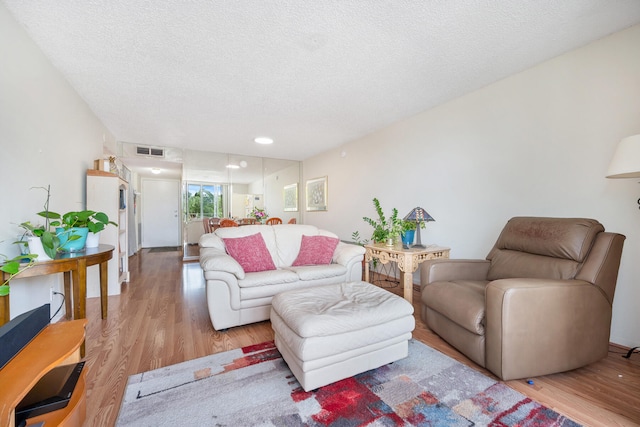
160,213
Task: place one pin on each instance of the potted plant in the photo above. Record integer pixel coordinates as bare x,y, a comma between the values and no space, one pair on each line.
409,231
384,229
259,214
97,222
41,240
76,225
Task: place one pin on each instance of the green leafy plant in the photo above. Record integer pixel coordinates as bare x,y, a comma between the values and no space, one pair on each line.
384,228
355,236
13,267
50,241
94,221
411,225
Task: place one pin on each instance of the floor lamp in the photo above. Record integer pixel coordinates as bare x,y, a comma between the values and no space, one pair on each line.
418,215
626,160
626,164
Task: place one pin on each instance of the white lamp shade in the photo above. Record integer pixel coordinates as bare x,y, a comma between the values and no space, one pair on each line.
626,159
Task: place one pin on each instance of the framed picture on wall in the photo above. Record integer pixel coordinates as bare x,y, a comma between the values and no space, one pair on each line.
291,197
316,192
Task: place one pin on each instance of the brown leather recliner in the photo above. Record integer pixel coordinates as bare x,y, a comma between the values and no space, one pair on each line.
539,304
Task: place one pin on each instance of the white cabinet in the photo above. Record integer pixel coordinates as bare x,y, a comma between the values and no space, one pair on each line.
107,192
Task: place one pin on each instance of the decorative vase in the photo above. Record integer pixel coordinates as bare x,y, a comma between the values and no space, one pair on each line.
76,245
36,248
408,236
23,242
389,241
93,240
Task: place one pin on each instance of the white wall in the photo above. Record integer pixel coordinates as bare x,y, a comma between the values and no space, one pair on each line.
48,136
536,143
274,191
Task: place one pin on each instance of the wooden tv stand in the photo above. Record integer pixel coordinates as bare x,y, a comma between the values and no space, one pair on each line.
57,344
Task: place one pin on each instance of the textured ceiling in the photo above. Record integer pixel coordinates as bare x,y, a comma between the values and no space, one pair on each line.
312,74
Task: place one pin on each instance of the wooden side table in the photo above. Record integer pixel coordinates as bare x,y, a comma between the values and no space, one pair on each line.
408,261
74,266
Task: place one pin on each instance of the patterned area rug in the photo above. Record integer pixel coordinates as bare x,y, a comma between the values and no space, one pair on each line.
253,386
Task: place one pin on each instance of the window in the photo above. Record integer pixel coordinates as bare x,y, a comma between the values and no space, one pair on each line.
205,200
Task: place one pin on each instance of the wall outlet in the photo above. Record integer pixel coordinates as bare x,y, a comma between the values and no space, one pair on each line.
51,294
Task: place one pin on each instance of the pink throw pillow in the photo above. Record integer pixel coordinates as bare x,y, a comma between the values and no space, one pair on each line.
251,253
316,250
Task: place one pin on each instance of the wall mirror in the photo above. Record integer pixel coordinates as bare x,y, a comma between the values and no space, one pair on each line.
218,185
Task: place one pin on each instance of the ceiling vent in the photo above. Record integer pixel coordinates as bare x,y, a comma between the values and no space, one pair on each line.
148,151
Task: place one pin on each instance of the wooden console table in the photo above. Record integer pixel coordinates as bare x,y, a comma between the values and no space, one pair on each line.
407,259
74,266
57,344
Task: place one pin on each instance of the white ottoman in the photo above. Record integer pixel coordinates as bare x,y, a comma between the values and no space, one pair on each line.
328,333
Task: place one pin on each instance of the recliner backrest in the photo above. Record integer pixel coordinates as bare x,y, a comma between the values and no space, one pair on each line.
545,248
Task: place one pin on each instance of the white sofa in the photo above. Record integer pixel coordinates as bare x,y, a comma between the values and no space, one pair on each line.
235,297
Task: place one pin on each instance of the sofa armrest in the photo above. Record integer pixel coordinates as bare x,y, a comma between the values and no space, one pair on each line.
453,269
527,322
346,253
211,240
212,259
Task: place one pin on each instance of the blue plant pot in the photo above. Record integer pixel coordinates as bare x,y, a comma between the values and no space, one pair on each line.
71,244
408,236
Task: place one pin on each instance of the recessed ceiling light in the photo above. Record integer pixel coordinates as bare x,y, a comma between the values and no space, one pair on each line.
155,171
263,140
233,167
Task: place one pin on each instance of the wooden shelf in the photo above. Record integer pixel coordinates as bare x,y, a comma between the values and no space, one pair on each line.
106,192
57,344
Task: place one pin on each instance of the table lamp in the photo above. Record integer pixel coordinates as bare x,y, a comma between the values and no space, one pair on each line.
418,215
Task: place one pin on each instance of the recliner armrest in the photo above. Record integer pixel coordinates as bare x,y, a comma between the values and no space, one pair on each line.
453,269
527,322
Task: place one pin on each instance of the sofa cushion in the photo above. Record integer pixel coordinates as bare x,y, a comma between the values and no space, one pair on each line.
507,264
288,238
315,272
339,308
265,278
468,309
568,238
250,252
316,250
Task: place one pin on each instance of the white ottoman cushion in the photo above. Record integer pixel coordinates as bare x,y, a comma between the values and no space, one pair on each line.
327,333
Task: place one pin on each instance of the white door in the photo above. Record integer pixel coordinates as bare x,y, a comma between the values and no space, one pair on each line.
160,203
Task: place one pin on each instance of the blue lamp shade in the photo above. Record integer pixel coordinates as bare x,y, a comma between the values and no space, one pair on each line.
418,215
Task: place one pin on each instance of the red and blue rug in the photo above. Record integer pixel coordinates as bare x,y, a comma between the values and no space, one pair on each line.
253,386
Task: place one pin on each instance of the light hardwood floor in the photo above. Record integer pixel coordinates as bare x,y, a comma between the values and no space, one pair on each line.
161,318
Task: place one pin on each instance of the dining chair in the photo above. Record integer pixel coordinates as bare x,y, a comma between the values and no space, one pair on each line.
292,221
274,221
226,222
207,225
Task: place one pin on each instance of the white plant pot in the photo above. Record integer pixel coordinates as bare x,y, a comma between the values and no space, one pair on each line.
93,240
36,248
